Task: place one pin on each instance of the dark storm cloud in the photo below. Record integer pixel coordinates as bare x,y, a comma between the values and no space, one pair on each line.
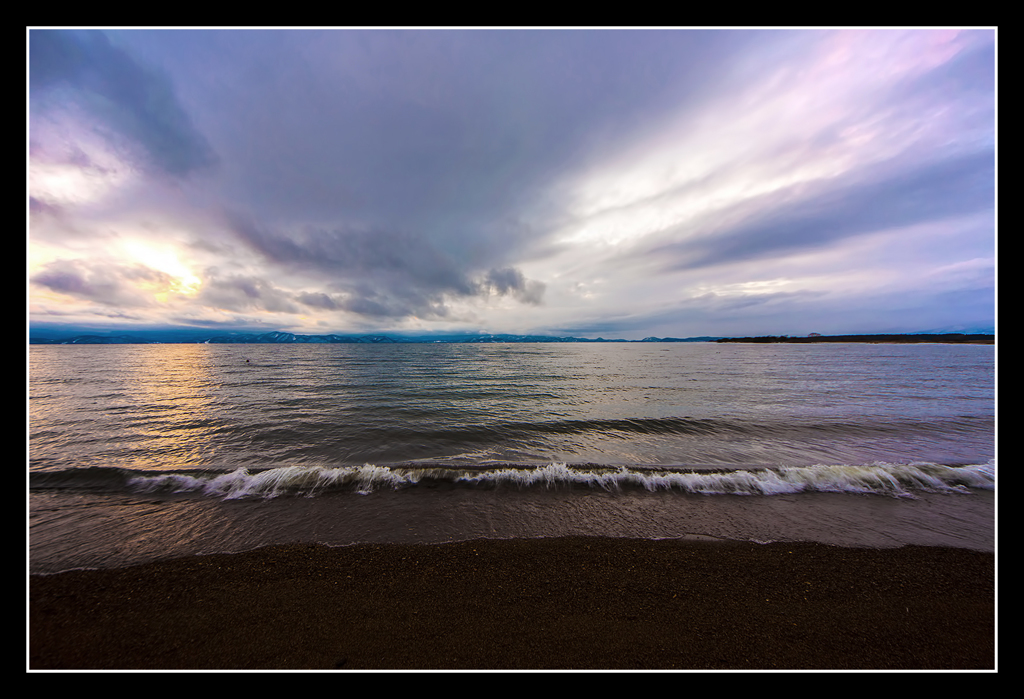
132,100
402,259
245,293
382,272
367,301
387,304
934,191
510,281
317,300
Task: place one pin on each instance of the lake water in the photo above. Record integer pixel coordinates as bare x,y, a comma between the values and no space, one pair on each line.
138,452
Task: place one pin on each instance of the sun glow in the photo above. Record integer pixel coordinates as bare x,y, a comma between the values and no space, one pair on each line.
164,259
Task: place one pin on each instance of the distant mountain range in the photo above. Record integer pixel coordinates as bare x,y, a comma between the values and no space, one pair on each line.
188,336
277,337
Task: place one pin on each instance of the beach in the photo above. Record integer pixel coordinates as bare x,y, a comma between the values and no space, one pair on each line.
570,603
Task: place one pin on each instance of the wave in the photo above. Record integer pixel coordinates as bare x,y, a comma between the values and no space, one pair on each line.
890,479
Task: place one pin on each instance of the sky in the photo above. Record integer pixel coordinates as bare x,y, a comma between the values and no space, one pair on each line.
586,182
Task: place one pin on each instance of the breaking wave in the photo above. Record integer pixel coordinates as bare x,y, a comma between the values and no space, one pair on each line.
890,479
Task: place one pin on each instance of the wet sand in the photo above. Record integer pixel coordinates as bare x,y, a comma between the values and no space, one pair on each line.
566,603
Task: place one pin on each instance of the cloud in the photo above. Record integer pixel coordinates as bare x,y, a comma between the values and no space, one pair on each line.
381,272
510,281
109,284
42,207
872,201
407,259
130,99
245,293
318,300
658,182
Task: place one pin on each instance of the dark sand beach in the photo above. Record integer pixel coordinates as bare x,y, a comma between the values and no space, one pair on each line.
567,603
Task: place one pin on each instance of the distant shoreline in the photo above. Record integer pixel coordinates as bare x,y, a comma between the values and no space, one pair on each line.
283,338
290,338
946,338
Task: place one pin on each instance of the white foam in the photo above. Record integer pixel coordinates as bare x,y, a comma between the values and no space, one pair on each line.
899,480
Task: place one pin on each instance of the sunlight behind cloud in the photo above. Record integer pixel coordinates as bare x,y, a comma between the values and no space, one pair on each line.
164,259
